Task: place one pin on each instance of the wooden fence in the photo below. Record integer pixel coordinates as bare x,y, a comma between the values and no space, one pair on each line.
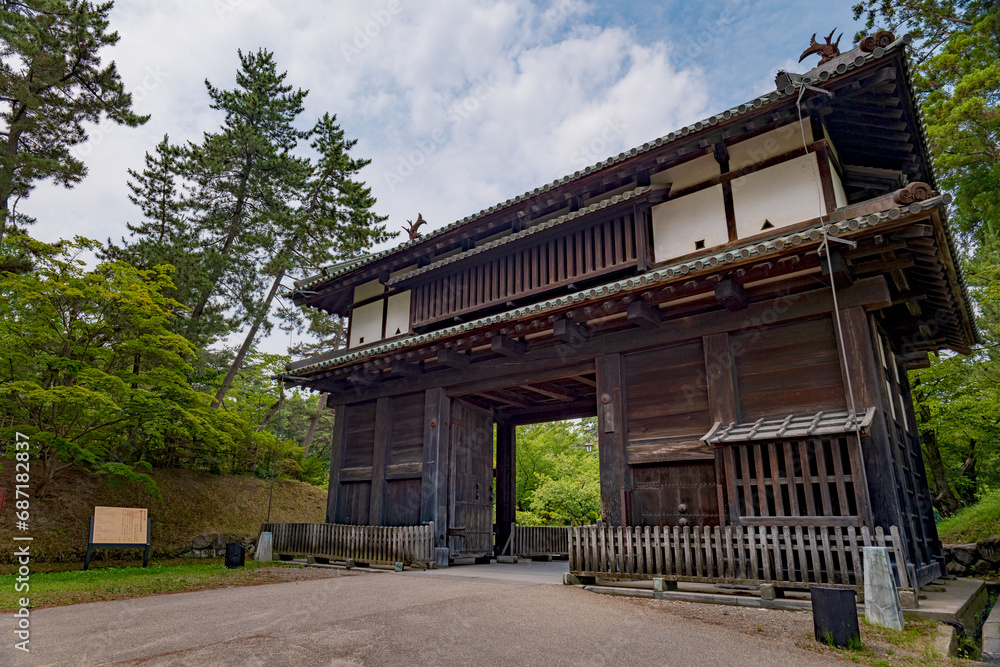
540,540
786,556
365,544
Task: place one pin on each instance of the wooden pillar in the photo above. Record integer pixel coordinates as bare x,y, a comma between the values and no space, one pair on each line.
612,441
506,482
376,506
860,362
723,400
434,482
336,461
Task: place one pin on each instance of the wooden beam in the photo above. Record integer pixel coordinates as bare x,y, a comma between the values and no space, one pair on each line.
570,333
362,379
453,359
337,446
504,396
913,360
546,412
616,477
841,273
406,370
870,293
644,315
376,503
507,346
552,391
724,404
506,482
732,295
435,471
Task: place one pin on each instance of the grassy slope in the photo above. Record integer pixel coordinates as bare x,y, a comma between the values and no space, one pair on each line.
193,503
973,524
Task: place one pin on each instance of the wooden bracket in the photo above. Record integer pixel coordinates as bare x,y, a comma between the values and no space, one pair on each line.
453,359
732,295
841,274
507,346
363,379
406,370
644,315
568,332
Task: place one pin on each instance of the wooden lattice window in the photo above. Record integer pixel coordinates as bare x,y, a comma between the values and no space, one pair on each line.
784,481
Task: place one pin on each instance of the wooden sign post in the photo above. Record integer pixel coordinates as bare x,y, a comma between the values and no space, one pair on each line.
119,528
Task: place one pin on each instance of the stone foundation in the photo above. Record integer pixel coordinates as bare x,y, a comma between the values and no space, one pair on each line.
213,545
978,559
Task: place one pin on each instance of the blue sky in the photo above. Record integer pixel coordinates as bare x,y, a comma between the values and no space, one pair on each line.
460,104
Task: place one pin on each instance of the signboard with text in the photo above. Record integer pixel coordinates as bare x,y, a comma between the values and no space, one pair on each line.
119,525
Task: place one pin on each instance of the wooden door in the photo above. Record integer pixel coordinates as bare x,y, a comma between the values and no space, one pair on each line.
665,494
470,506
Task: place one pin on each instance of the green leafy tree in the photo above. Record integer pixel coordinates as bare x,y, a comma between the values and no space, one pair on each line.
52,82
538,448
957,79
570,493
94,374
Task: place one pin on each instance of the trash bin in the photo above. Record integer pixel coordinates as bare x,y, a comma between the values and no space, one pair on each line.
234,555
835,615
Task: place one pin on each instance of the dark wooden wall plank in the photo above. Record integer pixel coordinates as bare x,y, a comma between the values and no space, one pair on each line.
724,405
506,481
336,460
788,368
434,480
406,429
616,480
383,418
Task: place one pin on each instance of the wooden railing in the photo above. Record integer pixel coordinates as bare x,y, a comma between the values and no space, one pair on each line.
541,541
526,269
787,556
365,544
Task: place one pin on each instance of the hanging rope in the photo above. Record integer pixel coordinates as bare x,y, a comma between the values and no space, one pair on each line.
841,350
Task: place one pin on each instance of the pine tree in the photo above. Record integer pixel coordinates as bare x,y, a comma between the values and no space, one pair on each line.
51,82
165,234
333,221
242,177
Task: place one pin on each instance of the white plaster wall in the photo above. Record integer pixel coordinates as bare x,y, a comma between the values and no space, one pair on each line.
397,315
768,145
784,194
679,223
368,290
690,173
366,324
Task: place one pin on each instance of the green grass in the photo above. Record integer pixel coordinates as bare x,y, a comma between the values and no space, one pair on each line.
119,583
974,523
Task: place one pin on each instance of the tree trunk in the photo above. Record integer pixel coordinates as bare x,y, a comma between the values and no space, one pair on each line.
320,409
271,412
241,355
944,499
234,228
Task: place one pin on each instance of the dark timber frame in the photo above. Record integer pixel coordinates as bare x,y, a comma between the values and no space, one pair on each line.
728,390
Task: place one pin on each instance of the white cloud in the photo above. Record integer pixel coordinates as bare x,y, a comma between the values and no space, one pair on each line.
459,104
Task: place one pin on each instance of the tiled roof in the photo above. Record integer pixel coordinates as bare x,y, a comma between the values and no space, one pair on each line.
790,427
841,65
705,263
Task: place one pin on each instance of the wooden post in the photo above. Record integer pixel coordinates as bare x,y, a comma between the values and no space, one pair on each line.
506,483
720,375
376,506
336,461
434,481
859,361
612,439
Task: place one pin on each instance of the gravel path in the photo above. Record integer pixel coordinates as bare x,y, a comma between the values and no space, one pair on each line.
392,619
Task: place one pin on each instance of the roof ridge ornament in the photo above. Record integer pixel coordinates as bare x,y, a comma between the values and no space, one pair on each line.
827,51
412,227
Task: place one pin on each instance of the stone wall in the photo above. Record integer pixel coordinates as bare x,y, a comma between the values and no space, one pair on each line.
976,559
213,545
